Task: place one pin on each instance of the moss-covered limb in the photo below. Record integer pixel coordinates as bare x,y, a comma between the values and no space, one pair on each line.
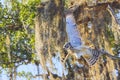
51,32
94,3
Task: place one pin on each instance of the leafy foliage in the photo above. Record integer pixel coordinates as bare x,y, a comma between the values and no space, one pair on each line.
16,22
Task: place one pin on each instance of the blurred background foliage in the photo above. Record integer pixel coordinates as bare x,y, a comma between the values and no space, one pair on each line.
17,32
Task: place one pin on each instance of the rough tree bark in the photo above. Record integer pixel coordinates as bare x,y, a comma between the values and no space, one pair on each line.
49,31
50,35
100,18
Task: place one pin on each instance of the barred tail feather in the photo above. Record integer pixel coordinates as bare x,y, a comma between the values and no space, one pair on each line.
92,60
95,55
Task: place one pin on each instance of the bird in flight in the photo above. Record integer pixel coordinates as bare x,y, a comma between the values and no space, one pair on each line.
75,43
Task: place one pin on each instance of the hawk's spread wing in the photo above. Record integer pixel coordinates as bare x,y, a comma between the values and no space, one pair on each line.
72,31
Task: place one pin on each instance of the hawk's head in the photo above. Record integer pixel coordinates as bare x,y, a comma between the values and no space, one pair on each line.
67,45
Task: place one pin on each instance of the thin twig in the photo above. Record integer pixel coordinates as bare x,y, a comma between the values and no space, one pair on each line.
66,58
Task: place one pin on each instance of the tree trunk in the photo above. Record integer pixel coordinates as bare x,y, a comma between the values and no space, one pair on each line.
49,31
50,36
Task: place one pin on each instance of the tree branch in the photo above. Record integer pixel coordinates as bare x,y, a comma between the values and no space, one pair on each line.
111,56
112,14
